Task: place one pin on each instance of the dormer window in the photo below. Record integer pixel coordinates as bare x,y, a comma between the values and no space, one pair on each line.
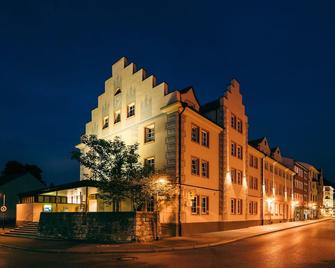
117,92
105,122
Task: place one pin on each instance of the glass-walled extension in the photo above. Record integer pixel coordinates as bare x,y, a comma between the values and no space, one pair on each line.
81,196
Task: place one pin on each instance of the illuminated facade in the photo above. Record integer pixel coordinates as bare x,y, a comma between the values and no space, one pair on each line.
328,201
223,180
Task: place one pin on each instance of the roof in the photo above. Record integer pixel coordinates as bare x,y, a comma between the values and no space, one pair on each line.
256,141
210,105
76,184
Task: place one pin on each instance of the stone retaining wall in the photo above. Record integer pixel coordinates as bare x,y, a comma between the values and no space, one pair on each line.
100,226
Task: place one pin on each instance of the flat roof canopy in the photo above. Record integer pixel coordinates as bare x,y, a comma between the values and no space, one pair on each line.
67,186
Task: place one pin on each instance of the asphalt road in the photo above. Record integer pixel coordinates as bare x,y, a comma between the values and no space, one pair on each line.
307,246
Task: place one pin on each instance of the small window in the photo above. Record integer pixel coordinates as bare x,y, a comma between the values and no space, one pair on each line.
255,184
195,166
149,133
204,138
233,206
117,92
239,152
150,162
233,121
117,116
239,206
239,126
105,122
204,168
204,204
195,205
233,175
233,149
131,110
255,162
239,177
195,133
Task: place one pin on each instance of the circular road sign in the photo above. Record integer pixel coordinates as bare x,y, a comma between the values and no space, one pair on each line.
3,209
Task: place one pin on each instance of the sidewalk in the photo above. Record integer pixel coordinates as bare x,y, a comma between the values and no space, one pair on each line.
167,244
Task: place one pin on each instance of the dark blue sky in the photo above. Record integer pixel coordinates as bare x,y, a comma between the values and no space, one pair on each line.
56,55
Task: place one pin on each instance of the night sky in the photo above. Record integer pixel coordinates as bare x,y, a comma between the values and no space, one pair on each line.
56,55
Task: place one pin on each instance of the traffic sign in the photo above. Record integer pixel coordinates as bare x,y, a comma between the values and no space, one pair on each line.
3,209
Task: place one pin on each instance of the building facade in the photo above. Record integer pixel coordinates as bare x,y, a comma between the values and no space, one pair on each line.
223,181
328,201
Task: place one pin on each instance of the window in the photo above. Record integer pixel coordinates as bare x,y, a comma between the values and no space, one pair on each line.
239,177
195,205
233,206
117,116
204,138
117,92
195,133
255,162
239,206
233,175
266,165
131,110
204,204
195,166
233,121
239,152
271,168
239,125
253,207
255,184
105,122
149,133
250,160
233,149
204,168
150,162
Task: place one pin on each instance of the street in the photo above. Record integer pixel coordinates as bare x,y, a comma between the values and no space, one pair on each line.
307,246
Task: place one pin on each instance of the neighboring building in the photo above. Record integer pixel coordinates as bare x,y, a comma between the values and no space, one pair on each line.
328,200
301,189
11,186
277,184
315,180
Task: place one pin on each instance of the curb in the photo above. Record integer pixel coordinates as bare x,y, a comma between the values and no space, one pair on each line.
153,250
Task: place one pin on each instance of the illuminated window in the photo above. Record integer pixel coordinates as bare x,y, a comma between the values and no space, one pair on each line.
117,116
204,138
195,166
204,168
195,205
149,133
131,110
204,204
105,122
195,133
150,162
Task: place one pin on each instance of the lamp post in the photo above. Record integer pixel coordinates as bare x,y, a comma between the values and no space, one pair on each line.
160,183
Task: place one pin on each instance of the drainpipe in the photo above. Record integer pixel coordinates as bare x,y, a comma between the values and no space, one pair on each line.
179,168
262,191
